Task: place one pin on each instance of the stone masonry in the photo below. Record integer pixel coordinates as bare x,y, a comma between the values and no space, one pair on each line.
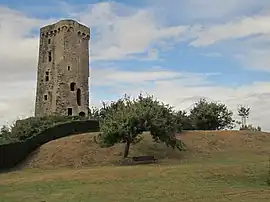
63,70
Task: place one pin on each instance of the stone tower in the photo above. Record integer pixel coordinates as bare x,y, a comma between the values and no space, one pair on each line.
63,70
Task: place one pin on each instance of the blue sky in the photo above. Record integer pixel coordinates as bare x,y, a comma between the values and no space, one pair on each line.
178,51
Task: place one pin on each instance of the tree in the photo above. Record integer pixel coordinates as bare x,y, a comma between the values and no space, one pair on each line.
243,112
183,121
5,133
125,120
94,113
210,116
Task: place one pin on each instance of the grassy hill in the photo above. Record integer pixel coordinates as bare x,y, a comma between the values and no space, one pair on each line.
81,150
218,166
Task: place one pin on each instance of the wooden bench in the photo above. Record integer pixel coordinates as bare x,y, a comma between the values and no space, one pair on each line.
144,159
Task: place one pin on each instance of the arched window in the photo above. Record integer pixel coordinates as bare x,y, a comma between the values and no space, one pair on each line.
82,114
72,86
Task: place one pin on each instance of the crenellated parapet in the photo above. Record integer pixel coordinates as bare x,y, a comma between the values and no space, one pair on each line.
65,26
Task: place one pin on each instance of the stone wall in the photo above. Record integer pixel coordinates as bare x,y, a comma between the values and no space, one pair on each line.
63,60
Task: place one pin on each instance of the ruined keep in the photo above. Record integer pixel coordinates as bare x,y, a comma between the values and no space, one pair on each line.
63,70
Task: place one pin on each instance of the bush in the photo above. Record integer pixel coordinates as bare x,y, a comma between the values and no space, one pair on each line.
250,127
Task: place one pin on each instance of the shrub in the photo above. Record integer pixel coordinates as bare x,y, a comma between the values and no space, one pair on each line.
250,127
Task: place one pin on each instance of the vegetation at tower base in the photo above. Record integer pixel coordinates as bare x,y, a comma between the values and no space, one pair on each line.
38,131
125,120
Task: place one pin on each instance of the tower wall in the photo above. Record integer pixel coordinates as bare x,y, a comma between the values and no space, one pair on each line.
63,69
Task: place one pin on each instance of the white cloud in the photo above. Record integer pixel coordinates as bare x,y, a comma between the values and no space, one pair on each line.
245,39
113,76
18,63
244,27
18,49
179,93
16,100
121,36
255,59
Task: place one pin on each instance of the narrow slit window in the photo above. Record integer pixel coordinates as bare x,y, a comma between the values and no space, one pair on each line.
69,111
45,97
47,76
49,41
68,68
72,86
50,56
79,97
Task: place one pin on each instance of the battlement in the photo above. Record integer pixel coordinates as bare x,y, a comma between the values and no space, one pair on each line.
65,26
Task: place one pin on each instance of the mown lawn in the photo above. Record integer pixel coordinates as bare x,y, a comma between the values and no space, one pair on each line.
219,166
195,182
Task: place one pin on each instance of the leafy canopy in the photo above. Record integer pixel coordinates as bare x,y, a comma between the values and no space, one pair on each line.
125,120
211,116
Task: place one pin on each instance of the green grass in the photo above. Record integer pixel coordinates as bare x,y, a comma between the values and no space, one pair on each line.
232,174
195,182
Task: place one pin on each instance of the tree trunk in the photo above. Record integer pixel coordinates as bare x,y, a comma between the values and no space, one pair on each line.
245,122
127,149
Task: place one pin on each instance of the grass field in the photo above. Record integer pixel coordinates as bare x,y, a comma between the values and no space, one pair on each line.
218,166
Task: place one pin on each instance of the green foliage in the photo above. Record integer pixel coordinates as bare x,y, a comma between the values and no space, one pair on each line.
23,129
259,128
5,132
125,120
210,116
94,113
243,112
5,135
250,127
183,121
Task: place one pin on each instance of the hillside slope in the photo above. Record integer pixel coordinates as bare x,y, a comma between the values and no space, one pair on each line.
217,146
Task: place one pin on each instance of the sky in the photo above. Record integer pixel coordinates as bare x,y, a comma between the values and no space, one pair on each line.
178,51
